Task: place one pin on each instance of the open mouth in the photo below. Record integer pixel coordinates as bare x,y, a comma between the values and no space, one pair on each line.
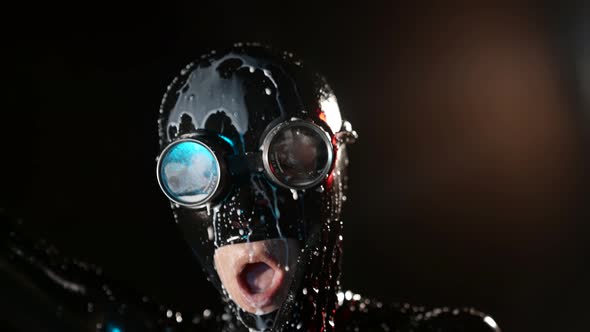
257,277
259,280
257,274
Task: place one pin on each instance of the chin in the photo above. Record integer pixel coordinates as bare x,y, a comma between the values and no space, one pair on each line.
257,275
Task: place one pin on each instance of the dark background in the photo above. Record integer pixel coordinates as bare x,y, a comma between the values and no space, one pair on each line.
468,183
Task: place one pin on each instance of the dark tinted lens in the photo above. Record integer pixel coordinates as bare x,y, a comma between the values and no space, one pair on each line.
298,155
189,173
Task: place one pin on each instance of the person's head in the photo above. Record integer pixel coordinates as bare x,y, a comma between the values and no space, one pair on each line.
253,160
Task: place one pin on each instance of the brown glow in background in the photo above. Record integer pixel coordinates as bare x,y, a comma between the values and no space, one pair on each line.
468,185
482,158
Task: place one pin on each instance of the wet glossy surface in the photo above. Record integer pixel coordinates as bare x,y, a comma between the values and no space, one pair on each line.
241,94
189,172
299,155
238,94
43,290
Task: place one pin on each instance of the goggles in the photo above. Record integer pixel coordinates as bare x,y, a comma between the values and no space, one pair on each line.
295,154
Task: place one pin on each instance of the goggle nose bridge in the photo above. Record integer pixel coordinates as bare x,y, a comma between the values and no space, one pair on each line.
237,164
241,164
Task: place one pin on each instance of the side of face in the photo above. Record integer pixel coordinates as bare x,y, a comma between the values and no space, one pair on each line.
253,239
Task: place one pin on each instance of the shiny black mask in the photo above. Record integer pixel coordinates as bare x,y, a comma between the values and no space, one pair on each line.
230,101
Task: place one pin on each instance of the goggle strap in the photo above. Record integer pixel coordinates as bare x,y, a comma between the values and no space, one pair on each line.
347,135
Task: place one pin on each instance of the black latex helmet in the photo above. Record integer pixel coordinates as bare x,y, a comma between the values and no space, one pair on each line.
240,94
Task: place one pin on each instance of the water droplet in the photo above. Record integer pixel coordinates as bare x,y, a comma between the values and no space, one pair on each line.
348,295
207,313
490,321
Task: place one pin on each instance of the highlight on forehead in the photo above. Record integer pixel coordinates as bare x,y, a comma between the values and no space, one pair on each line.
238,94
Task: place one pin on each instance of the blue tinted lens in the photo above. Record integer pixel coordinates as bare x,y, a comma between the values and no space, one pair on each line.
189,173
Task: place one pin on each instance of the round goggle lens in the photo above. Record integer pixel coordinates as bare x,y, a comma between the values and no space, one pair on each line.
189,173
299,156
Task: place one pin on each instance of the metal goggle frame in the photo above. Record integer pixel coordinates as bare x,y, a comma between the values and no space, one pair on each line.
295,154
